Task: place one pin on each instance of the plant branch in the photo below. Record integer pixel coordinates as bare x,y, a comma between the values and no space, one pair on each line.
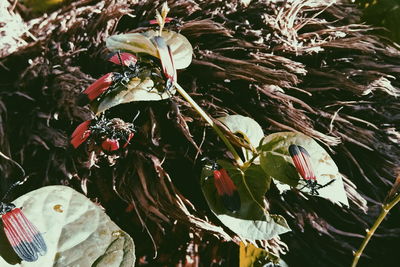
385,210
209,121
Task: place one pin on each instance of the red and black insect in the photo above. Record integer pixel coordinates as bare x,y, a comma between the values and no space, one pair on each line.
110,135
226,189
302,161
23,236
167,60
168,20
131,68
110,81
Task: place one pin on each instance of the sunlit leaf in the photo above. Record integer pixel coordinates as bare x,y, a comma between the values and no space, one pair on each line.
136,90
142,43
77,232
246,127
252,221
250,255
277,162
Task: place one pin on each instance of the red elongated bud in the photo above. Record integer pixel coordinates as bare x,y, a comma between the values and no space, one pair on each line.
302,162
227,190
23,236
80,134
96,89
124,58
110,145
131,135
167,60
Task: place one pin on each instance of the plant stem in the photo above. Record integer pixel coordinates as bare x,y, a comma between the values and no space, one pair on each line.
385,209
209,121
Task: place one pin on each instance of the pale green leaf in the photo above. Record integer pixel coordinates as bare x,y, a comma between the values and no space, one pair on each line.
252,221
276,161
136,90
246,127
77,232
142,43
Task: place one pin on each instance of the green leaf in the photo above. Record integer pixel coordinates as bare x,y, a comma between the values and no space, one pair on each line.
252,221
142,43
77,232
136,90
276,162
247,127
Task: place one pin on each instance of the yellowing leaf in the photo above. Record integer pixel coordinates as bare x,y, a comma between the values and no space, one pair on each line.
250,255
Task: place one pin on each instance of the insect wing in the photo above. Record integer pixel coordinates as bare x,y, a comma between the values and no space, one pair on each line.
130,136
80,134
23,236
96,89
227,190
167,60
110,145
167,20
124,58
302,162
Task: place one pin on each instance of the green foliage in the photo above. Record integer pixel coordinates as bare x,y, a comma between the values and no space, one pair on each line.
252,221
276,162
384,13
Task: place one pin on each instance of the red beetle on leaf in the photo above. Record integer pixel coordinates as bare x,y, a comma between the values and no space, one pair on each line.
111,80
23,236
167,60
226,189
302,161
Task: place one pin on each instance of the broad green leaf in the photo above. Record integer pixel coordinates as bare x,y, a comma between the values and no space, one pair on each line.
136,90
142,43
252,221
77,232
276,162
247,127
